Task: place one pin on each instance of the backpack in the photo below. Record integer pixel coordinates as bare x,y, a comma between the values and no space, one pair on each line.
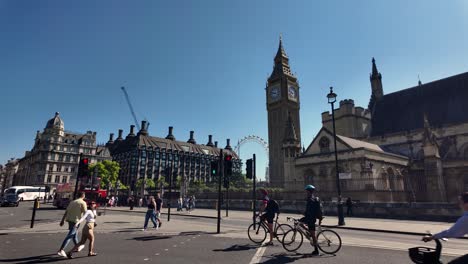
272,207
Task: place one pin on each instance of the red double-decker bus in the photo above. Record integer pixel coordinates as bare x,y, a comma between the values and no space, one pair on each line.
93,191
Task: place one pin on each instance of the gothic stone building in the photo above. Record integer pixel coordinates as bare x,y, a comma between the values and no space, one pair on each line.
55,155
410,145
143,156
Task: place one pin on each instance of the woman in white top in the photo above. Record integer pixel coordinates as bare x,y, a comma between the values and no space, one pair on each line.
88,231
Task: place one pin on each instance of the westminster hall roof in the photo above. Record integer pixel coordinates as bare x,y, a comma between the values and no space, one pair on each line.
444,102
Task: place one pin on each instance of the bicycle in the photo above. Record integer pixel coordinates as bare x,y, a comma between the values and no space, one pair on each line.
258,231
426,255
328,241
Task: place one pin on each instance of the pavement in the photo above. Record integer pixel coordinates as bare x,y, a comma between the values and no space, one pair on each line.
192,238
408,227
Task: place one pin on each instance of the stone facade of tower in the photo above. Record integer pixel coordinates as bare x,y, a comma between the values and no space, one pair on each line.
283,103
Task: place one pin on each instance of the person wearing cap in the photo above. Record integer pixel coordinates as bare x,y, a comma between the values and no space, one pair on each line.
312,213
267,216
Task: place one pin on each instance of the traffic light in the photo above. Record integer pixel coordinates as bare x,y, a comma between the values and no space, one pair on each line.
228,165
249,169
227,170
214,168
83,168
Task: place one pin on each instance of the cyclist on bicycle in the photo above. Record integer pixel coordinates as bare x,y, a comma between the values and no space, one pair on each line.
459,229
312,213
267,213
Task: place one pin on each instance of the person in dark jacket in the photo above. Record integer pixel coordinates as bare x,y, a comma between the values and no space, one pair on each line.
131,202
349,205
312,213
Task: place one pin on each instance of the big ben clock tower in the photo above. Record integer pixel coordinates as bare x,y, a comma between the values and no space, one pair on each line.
284,131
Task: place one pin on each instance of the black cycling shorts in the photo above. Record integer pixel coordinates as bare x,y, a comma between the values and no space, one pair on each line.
268,217
310,223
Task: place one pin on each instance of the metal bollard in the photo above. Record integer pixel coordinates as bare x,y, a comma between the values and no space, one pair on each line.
36,205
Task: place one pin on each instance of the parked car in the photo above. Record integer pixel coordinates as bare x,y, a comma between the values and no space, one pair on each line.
9,201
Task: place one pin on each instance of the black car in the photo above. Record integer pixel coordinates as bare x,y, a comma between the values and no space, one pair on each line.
10,200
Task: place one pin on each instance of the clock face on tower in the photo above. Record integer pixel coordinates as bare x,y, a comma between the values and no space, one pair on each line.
292,94
275,93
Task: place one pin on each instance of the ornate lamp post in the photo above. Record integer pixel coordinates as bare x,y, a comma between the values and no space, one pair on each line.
331,100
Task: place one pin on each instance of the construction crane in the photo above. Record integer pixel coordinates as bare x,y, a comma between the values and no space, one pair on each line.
131,107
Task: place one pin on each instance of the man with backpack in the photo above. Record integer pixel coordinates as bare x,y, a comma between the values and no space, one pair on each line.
312,213
268,210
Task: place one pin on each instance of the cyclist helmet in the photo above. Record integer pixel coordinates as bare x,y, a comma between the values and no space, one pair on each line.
309,187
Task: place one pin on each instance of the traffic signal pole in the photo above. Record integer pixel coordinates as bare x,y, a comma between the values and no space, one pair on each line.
227,201
77,177
220,179
254,176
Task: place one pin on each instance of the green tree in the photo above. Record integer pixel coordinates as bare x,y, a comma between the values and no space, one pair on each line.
162,181
108,171
149,183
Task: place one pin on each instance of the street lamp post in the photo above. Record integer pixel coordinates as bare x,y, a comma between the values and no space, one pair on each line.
117,186
331,100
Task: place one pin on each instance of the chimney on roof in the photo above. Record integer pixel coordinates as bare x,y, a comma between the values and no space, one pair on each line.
120,135
143,129
228,144
111,138
169,134
131,134
216,144
210,141
191,139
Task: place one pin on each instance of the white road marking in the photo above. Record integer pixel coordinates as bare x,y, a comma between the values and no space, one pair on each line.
258,255
157,254
166,249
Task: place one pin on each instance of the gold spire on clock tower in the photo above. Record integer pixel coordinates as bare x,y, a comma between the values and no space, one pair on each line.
282,97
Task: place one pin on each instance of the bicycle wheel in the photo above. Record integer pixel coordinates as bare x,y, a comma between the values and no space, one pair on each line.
329,241
292,240
257,234
281,230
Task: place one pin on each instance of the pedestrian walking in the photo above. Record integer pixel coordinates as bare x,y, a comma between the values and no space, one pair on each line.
179,204
73,214
131,202
193,202
187,204
88,231
111,201
140,202
349,205
116,201
151,214
159,204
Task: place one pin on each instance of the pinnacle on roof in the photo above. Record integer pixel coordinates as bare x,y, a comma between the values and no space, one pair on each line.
290,132
281,65
280,54
375,73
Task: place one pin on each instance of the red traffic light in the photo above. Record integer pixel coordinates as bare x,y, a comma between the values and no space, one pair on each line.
85,161
228,158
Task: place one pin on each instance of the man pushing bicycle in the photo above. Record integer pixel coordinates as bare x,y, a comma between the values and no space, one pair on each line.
268,211
312,213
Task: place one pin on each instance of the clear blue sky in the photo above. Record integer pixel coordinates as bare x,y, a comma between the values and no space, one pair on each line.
202,65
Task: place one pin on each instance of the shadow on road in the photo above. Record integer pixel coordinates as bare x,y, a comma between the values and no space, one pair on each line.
36,259
129,230
289,258
236,248
194,233
149,238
